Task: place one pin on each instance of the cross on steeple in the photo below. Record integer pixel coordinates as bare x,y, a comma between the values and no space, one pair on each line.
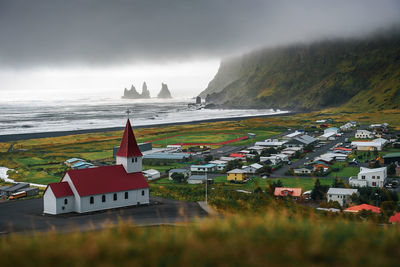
128,112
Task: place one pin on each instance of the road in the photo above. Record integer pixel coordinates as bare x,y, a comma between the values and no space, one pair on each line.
317,152
26,216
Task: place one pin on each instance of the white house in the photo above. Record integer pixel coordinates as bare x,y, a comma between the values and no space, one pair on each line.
341,195
101,188
270,143
203,168
376,144
292,135
327,136
363,134
186,173
196,179
369,177
219,164
151,174
331,130
303,170
253,168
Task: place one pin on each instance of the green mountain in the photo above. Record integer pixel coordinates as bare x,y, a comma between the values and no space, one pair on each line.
357,73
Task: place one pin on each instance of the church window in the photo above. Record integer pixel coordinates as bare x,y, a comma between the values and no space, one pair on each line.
103,198
91,200
115,196
65,201
142,192
126,195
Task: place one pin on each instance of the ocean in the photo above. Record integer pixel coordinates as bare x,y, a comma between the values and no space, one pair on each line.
59,114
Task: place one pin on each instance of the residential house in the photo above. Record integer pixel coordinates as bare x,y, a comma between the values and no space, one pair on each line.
364,134
186,173
257,149
369,177
331,130
151,174
271,143
294,193
341,195
273,160
236,175
361,207
395,218
220,164
196,179
301,141
303,170
292,135
327,136
203,168
376,144
253,168
71,161
321,166
391,158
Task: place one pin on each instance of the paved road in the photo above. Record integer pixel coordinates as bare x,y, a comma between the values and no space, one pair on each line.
26,216
317,152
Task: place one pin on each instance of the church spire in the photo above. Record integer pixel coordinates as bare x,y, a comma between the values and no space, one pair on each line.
129,147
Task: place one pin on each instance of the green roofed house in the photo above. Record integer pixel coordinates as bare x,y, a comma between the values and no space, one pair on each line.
391,158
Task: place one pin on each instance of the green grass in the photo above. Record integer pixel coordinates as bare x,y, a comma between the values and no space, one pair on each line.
306,183
345,172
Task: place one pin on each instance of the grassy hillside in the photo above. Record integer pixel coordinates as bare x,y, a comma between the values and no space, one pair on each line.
272,239
360,73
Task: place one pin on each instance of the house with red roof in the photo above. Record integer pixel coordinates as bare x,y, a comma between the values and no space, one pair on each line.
363,207
294,193
395,218
101,188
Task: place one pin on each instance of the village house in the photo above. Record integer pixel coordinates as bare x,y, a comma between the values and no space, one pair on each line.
327,136
196,179
282,192
376,144
271,143
362,134
151,174
369,177
331,130
101,188
301,141
236,175
220,164
391,158
341,195
203,168
186,173
361,207
253,168
292,135
303,170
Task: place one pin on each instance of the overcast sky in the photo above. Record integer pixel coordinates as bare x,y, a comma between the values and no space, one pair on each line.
54,44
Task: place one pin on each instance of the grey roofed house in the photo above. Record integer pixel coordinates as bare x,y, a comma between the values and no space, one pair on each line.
196,179
179,171
304,140
3,188
15,188
341,191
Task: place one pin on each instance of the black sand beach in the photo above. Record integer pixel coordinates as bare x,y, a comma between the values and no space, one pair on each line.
26,136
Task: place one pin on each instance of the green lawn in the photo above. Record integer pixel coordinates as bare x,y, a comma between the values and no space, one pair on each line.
306,183
345,172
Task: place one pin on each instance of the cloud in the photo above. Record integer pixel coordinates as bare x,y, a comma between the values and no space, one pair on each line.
103,32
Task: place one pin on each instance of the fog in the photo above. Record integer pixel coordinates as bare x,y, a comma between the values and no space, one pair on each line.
53,44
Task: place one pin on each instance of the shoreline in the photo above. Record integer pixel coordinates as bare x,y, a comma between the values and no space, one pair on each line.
27,136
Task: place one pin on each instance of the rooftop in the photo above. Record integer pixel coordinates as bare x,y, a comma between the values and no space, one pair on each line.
236,171
129,147
341,191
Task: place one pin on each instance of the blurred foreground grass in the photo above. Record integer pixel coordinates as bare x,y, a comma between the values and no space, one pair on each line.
276,238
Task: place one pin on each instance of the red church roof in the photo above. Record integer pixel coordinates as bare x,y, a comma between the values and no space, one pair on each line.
61,189
363,207
129,147
106,179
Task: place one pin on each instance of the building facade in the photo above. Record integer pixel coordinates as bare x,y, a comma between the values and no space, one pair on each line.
101,188
369,177
341,195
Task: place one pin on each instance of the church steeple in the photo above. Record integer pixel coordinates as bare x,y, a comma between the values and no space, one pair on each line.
129,154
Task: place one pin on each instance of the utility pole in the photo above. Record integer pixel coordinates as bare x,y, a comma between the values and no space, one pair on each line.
206,187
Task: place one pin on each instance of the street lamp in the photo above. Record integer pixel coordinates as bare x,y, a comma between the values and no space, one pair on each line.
206,187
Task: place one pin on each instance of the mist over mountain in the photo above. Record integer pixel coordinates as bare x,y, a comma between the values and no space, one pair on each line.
358,73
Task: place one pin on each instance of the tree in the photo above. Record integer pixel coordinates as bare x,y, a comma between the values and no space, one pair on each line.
309,147
391,169
178,177
319,191
208,158
271,187
338,183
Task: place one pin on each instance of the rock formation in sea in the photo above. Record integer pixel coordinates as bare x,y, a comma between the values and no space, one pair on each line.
145,91
164,92
133,94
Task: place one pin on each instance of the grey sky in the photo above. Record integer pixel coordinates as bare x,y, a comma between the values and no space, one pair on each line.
45,33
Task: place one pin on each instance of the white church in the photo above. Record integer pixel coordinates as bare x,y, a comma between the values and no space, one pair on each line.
101,188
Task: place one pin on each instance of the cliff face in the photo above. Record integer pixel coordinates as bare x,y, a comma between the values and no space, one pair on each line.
145,91
362,73
164,92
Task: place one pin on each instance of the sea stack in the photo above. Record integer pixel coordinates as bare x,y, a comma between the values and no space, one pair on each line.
145,91
131,94
164,93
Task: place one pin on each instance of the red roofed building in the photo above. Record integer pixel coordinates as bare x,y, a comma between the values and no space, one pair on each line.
295,193
363,207
395,218
101,188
